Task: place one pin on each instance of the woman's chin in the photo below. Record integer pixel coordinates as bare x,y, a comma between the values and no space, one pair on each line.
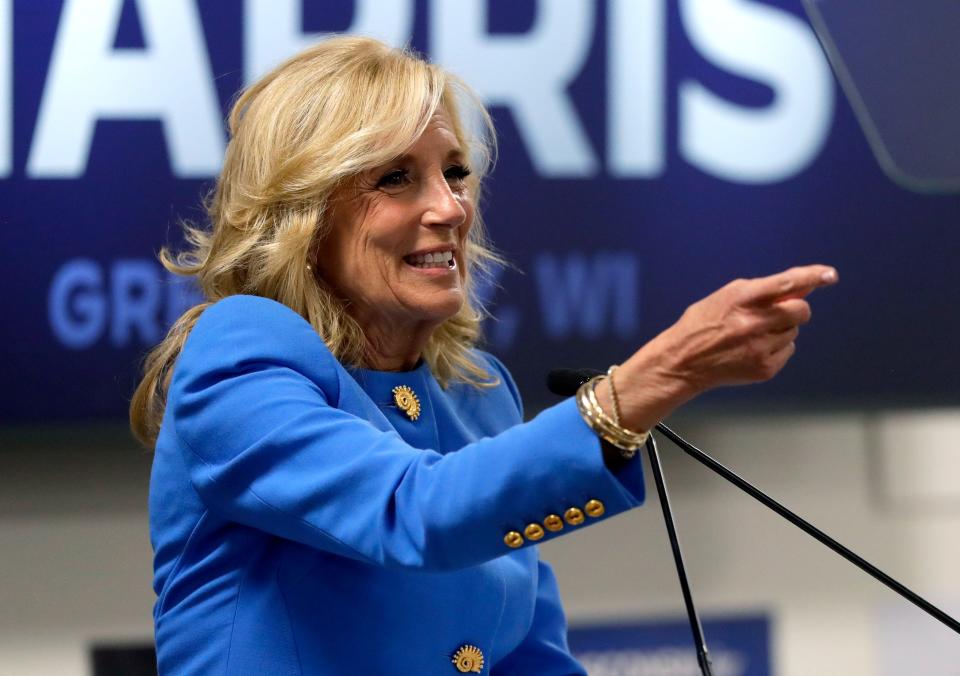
440,306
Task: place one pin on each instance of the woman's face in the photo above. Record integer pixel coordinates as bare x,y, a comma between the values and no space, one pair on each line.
395,247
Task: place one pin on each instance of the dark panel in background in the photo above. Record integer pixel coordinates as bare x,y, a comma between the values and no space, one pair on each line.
123,660
899,65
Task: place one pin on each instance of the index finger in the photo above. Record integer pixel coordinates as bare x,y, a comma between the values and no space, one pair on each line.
793,283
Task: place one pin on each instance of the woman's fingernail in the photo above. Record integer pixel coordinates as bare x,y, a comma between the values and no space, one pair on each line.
829,276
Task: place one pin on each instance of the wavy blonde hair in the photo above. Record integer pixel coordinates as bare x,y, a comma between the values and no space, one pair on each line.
344,106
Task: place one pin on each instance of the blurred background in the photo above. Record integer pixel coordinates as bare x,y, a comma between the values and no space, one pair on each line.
650,151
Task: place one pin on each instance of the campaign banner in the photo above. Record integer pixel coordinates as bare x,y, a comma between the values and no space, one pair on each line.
737,646
650,152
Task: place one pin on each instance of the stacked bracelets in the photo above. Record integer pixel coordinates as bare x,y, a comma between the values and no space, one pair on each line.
609,429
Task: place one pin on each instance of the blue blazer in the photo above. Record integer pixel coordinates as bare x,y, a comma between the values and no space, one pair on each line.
304,524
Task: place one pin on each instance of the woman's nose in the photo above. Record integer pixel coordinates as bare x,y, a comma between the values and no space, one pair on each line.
442,205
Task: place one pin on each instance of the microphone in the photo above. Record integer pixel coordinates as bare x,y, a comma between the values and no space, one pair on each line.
566,382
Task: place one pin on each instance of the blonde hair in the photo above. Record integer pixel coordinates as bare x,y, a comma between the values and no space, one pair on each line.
339,108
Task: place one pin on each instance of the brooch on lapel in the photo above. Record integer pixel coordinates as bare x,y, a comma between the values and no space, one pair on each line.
406,400
468,659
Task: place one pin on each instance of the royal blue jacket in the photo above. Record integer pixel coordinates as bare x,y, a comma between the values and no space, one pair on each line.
303,524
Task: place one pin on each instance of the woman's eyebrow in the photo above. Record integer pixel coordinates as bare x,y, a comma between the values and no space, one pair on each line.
399,159
455,153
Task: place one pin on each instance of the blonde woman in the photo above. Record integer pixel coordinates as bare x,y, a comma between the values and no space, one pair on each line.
343,483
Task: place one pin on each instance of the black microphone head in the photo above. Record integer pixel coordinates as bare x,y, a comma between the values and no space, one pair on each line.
566,382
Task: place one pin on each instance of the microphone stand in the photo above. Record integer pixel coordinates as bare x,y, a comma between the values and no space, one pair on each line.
565,383
703,655
808,528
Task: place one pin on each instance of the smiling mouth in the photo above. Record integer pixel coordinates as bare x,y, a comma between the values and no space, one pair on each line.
443,260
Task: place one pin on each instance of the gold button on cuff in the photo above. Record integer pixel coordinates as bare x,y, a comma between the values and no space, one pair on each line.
595,508
513,539
533,532
468,659
574,516
553,523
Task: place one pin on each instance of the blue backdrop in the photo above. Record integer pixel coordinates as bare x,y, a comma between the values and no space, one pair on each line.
650,152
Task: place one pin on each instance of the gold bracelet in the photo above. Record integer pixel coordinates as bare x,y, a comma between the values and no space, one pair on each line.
613,394
628,442
606,428
625,439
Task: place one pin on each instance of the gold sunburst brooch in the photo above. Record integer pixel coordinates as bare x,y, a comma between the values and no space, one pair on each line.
468,659
406,400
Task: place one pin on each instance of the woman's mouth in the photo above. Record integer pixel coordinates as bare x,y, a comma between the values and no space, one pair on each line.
437,260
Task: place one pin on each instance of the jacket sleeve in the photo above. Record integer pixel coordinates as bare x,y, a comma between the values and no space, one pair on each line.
253,403
544,651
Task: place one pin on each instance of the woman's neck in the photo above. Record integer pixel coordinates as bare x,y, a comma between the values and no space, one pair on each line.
396,347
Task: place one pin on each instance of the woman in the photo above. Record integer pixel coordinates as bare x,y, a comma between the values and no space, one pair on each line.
342,482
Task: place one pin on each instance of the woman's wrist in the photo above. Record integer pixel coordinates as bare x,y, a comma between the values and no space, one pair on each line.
606,426
649,388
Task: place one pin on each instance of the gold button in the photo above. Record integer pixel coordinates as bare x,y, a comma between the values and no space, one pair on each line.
595,508
553,523
407,401
533,532
573,516
513,539
468,659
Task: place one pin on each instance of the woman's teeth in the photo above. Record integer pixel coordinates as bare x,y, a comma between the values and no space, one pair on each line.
440,259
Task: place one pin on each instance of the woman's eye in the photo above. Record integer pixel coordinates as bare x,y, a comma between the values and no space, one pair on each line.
456,174
394,179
